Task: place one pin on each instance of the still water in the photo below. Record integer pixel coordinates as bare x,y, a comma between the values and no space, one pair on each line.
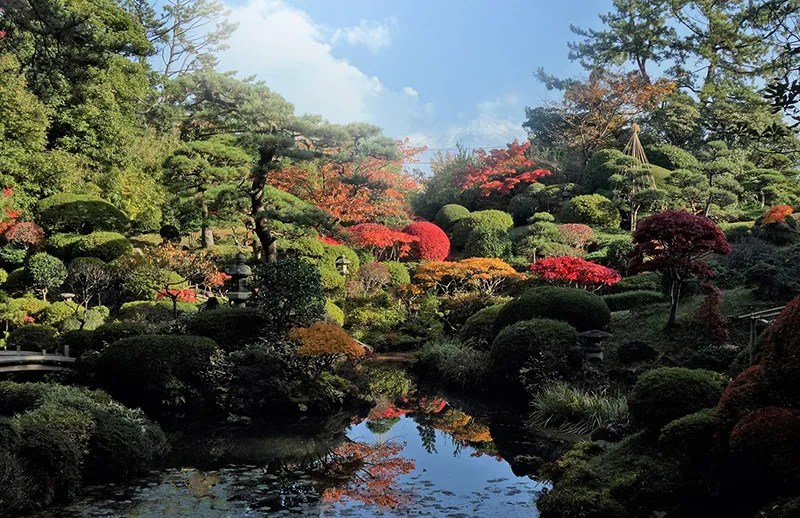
420,458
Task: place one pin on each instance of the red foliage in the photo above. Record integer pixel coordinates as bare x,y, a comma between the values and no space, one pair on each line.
781,354
8,215
432,243
575,271
24,234
575,235
709,315
328,240
777,214
500,170
744,394
186,295
28,319
767,439
386,244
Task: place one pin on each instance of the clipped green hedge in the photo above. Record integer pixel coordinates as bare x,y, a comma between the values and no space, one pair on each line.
479,328
649,281
488,242
334,312
450,214
591,209
33,337
632,299
79,214
671,157
669,393
231,328
111,332
483,220
549,343
398,272
692,434
62,245
106,246
579,308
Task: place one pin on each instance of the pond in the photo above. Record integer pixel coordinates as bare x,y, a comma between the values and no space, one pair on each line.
419,457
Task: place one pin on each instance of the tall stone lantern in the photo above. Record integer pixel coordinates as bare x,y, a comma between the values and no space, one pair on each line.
239,271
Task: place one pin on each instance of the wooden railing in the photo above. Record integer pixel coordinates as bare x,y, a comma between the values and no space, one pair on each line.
22,361
764,317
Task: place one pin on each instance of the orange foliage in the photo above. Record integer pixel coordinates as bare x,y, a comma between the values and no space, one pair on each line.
366,189
777,214
371,470
323,339
485,275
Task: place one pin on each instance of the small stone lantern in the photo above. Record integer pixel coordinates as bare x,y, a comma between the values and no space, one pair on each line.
591,344
343,265
238,271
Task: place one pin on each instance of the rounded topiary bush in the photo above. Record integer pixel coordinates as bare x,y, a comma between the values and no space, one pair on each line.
745,393
290,293
79,341
522,207
80,214
765,442
62,245
106,246
781,354
635,352
231,328
33,337
479,328
432,243
671,157
549,344
107,334
334,312
579,308
669,393
450,214
398,273
488,242
484,220
692,434
632,299
159,373
591,209
600,168
713,358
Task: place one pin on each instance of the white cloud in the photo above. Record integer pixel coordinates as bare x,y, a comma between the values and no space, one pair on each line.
371,34
410,91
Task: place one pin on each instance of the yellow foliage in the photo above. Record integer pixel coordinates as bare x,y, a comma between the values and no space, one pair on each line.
323,339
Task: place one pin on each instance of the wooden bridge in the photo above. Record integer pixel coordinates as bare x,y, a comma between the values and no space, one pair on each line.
24,361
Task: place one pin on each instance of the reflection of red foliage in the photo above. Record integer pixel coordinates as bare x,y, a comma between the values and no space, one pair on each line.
500,170
371,470
386,412
575,271
431,406
432,243
777,214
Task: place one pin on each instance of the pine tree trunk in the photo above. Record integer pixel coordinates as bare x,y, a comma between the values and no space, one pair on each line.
674,298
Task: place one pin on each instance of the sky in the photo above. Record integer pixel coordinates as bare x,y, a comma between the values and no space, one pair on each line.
434,71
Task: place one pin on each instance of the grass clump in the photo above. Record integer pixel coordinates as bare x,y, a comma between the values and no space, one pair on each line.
571,409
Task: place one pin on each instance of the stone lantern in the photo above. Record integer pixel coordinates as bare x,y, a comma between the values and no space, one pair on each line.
343,265
238,271
591,344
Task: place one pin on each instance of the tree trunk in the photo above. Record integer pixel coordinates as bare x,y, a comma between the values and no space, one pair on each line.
269,251
206,235
674,298
634,218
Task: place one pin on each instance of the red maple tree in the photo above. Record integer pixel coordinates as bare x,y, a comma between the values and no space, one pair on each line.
499,170
777,214
574,271
674,243
432,243
386,244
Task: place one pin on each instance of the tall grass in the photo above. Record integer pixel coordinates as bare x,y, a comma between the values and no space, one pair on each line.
455,362
570,409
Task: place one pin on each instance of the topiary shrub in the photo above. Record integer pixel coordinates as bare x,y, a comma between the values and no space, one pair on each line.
46,273
33,337
478,330
89,320
290,293
669,393
632,299
146,311
398,273
432,243
581,309
62,245
231,328
591,209
715,358
334,312
159,373
450,214
692,434
56,313
549,344
600,168
636,352
671,157
745,393
106,246
522,207
12,256
79,214
107,334
781,354
649,281
79,341
484,220
488,242
764,442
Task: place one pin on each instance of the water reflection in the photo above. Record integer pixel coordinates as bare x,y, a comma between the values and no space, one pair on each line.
411,457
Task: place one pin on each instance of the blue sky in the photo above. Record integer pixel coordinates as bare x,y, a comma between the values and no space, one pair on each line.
437,71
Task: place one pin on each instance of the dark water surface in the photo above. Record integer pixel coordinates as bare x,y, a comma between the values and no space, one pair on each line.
420,458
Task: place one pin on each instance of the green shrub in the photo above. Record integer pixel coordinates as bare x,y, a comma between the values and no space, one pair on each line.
46,273
33,337
56,313
548,344
717,359
79,342
560,405
671,157
522,207
12,256
17,281
146,311
456,363
692,434
635,352
88,320
372,318
31,306
581,309
62,245
107,334
147,221
310,247
449,215
457,308
600,168
79,214
484,220
159,373
591,209
103,245
649,281
231,328
334,312
3,276
669,393
488,242
290,293
478,330
632,299
398,273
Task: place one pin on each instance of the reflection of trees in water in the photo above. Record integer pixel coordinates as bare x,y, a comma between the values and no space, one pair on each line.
462,429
